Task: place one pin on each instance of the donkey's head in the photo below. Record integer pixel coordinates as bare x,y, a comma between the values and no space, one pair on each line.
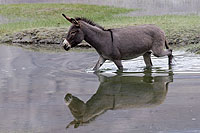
74,35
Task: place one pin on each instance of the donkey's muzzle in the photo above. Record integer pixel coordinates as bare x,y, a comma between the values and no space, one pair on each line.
68,99
66,45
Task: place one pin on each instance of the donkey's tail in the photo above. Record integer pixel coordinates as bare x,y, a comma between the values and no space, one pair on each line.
171,57
166,44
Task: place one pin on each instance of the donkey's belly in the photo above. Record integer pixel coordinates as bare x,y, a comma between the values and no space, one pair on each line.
131,56
133,50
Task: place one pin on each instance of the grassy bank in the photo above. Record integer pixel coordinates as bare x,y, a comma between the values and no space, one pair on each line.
25,16
180,30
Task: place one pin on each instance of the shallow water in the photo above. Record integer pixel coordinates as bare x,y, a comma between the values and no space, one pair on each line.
33,86
150,7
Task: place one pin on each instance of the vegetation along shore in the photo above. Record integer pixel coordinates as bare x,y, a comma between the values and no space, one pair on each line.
41,25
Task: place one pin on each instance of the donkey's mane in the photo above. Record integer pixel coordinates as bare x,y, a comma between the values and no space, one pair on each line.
89,22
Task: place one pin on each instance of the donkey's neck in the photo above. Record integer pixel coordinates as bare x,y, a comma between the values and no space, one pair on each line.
95,36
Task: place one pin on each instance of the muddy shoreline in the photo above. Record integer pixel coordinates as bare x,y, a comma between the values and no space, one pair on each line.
53,38
40,37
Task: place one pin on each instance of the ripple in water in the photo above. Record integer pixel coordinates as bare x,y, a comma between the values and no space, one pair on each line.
183,62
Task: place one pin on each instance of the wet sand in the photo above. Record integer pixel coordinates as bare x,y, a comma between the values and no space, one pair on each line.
33,86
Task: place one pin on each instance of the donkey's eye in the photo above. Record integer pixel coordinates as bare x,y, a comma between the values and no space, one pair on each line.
73,32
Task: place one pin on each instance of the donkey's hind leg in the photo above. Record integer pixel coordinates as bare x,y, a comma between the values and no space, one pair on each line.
159,51
147,59
119,65
99,63
170,57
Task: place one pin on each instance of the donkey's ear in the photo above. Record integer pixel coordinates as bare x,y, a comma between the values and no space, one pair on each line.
71,20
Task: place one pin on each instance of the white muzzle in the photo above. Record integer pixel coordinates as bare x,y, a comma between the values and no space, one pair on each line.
66,45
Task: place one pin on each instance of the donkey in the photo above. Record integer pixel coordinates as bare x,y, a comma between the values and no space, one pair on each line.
119,92
119,43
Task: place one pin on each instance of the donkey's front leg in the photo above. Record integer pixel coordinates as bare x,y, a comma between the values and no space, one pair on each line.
99,63
118,63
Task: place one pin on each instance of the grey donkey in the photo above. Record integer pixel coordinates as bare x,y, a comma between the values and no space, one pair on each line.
119,43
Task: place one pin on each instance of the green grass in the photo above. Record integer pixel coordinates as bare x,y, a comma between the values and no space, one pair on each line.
27,16
49,15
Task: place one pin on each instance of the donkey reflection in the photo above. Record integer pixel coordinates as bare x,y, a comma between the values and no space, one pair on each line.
119,92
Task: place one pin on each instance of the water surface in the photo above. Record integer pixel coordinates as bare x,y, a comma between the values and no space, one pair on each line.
33,86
